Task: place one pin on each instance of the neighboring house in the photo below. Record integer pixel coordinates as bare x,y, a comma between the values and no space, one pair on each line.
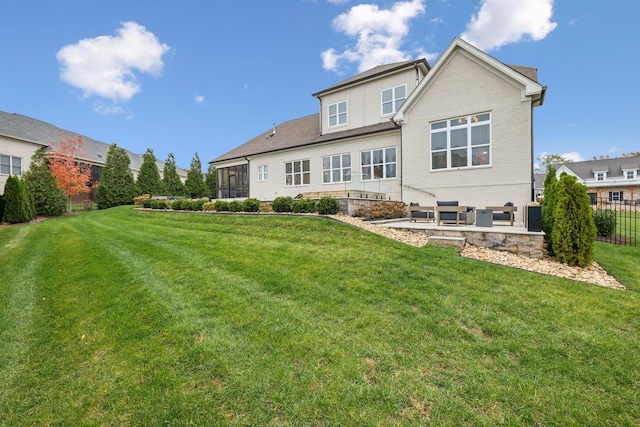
608,179
21,136
462,130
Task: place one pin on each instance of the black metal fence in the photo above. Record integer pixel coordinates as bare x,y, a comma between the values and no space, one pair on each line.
617,220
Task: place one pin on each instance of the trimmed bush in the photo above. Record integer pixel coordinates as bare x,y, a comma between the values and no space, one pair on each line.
159,204
209,206
178,205
328,206
196,205
18,202
1,207
383,210
303,206
138,201
574,232
221,206
251,205
235,206
282,204
605,222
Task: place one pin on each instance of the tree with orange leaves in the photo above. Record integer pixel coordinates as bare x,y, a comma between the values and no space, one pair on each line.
71,175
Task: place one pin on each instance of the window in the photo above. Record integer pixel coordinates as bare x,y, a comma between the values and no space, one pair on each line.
630,174
336,168
233,182
461,142
393,98
297,172
378,164
600,176
263,173
615,196
338,114
10,165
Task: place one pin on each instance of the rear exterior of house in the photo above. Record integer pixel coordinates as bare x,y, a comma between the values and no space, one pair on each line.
462,130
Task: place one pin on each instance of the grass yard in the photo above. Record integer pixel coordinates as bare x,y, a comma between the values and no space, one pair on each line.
120,317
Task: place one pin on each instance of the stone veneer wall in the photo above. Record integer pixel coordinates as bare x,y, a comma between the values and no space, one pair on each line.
526,244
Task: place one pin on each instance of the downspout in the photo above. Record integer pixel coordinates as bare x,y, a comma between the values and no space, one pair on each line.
401,161
320,116
248,175
533,179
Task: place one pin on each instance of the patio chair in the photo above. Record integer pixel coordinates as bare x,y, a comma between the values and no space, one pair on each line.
467,216
507,214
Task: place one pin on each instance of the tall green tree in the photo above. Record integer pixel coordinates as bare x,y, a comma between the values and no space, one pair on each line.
549,206
549,160
48,197
149,181
211,181
18,201
172,184
574,232
194,184
117,186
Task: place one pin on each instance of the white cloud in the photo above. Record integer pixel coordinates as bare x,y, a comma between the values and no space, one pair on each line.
501,22
106,65
198,99
379,33
574,155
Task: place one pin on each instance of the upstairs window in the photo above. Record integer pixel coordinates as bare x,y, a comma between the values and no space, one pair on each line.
392,99
600,176
263,173
461,142
297,173
10,165
338,114
630,174
378,164
336,168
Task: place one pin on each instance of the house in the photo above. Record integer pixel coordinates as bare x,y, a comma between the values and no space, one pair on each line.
21,136
461,130
607,179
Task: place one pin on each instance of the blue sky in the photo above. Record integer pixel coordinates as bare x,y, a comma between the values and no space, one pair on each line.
206,76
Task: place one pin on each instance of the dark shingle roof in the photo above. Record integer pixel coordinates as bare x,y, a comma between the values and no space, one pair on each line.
33,130
297,133
375,72
529,72
613,167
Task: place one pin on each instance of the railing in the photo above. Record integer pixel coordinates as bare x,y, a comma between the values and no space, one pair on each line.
620,220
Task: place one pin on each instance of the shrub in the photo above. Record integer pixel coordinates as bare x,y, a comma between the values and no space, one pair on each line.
383,210
209,206
235,206
49,199
303,206
178,205
159,204
146,203
1,207
221,206
251,205
282,204
328,206
139,199
18,203
574,232
605,222
196,205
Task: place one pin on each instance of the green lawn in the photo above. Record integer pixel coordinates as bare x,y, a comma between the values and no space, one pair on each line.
120,317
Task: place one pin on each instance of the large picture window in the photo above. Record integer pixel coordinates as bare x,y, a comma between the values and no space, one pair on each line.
378,164
297,172
461,142
392,99
338,114
10,165
336,168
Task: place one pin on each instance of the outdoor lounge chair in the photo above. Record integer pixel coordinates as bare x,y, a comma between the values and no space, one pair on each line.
504,213
464,215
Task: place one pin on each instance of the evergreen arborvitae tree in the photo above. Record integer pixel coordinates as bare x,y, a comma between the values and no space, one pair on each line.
549,206
149,181
172,184
574,232
194,185
49,199
1,207
211,181
117,186
18,203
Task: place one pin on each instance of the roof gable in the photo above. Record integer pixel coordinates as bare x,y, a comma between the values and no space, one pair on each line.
525,76
613,167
